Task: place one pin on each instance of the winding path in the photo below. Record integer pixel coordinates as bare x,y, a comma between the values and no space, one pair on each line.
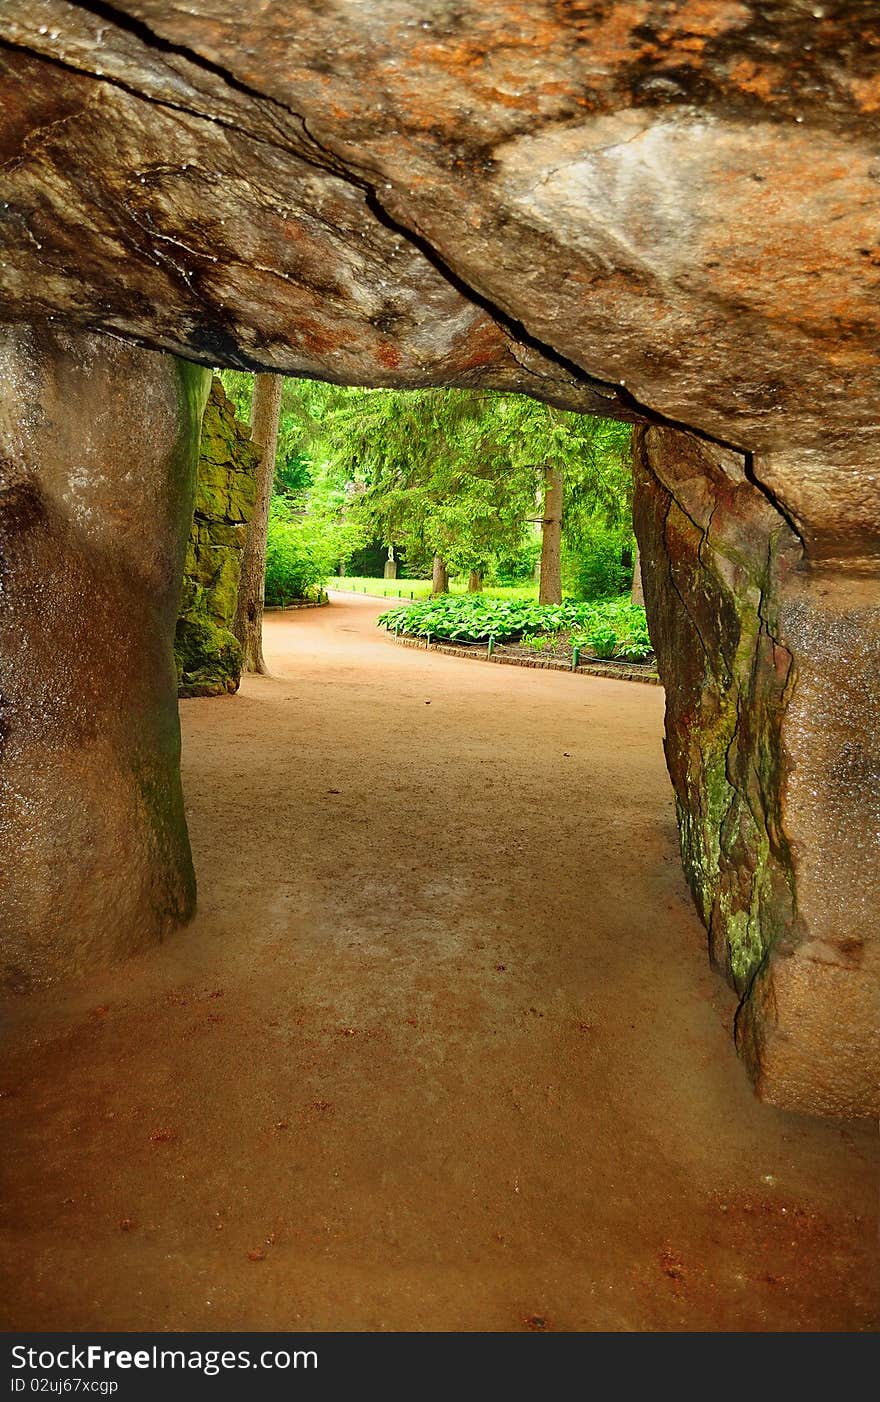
441,1049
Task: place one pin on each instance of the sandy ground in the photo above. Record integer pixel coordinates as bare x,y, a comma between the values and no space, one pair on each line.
441,1049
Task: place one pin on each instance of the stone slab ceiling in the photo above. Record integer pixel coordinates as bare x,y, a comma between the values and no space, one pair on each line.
669,210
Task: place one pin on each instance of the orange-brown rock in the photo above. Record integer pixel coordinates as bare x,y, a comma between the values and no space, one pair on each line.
773,693
664,210
98,443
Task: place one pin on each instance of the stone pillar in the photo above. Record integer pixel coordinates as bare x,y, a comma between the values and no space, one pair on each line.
98,445
768,644
208,653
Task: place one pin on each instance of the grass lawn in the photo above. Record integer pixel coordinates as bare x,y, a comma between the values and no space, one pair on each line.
421,588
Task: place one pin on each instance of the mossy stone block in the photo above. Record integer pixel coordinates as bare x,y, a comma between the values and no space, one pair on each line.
242,497
212,502
208,656
208,659
224,533
220,599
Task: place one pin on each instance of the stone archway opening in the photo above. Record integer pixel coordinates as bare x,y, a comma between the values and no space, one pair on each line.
720,564
559,208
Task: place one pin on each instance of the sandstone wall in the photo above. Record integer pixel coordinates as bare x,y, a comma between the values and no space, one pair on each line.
98,446
666,213
208,655
771,663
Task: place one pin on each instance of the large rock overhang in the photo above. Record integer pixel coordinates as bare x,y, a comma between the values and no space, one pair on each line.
670,207
662,212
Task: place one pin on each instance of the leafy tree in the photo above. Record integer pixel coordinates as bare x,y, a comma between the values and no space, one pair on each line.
248,622
582,463
462,477
303,404
462,473
597,564
422,479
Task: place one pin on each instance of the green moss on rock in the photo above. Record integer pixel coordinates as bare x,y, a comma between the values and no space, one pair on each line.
207,654
718,551
208,659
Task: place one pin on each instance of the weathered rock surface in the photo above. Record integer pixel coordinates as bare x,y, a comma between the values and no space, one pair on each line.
160,202
208,654
773,692
679,196
98,444
662,211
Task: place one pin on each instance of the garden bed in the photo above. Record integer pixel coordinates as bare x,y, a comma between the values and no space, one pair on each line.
296,604
562,653
606,631
527,657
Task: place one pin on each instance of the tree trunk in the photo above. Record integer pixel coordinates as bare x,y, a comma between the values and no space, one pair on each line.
439,577
638,594
475,582
550,586
248,623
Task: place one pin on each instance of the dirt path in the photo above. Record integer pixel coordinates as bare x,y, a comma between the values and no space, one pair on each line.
441,1049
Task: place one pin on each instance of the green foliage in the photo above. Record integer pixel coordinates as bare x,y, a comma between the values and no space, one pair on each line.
515,566
594,566
455,473
208,658
419,479
239,386
459,473
629,650
293,475
601,638
615,626
300,553
545,642
593,455
303,406
470,618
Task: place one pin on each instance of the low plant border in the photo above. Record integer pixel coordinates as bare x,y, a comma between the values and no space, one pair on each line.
622,671
386,598
297,604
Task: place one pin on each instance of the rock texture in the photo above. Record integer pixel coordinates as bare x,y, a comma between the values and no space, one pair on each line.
98,444
207,653
665,210
681,196
773,692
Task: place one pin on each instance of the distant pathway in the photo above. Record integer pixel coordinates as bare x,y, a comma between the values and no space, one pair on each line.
440,1051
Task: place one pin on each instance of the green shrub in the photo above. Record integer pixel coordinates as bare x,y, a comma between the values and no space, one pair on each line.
515,566
595,567
476,618
634,644
544,642
617,628
602,638
301,551
634,651
614,627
